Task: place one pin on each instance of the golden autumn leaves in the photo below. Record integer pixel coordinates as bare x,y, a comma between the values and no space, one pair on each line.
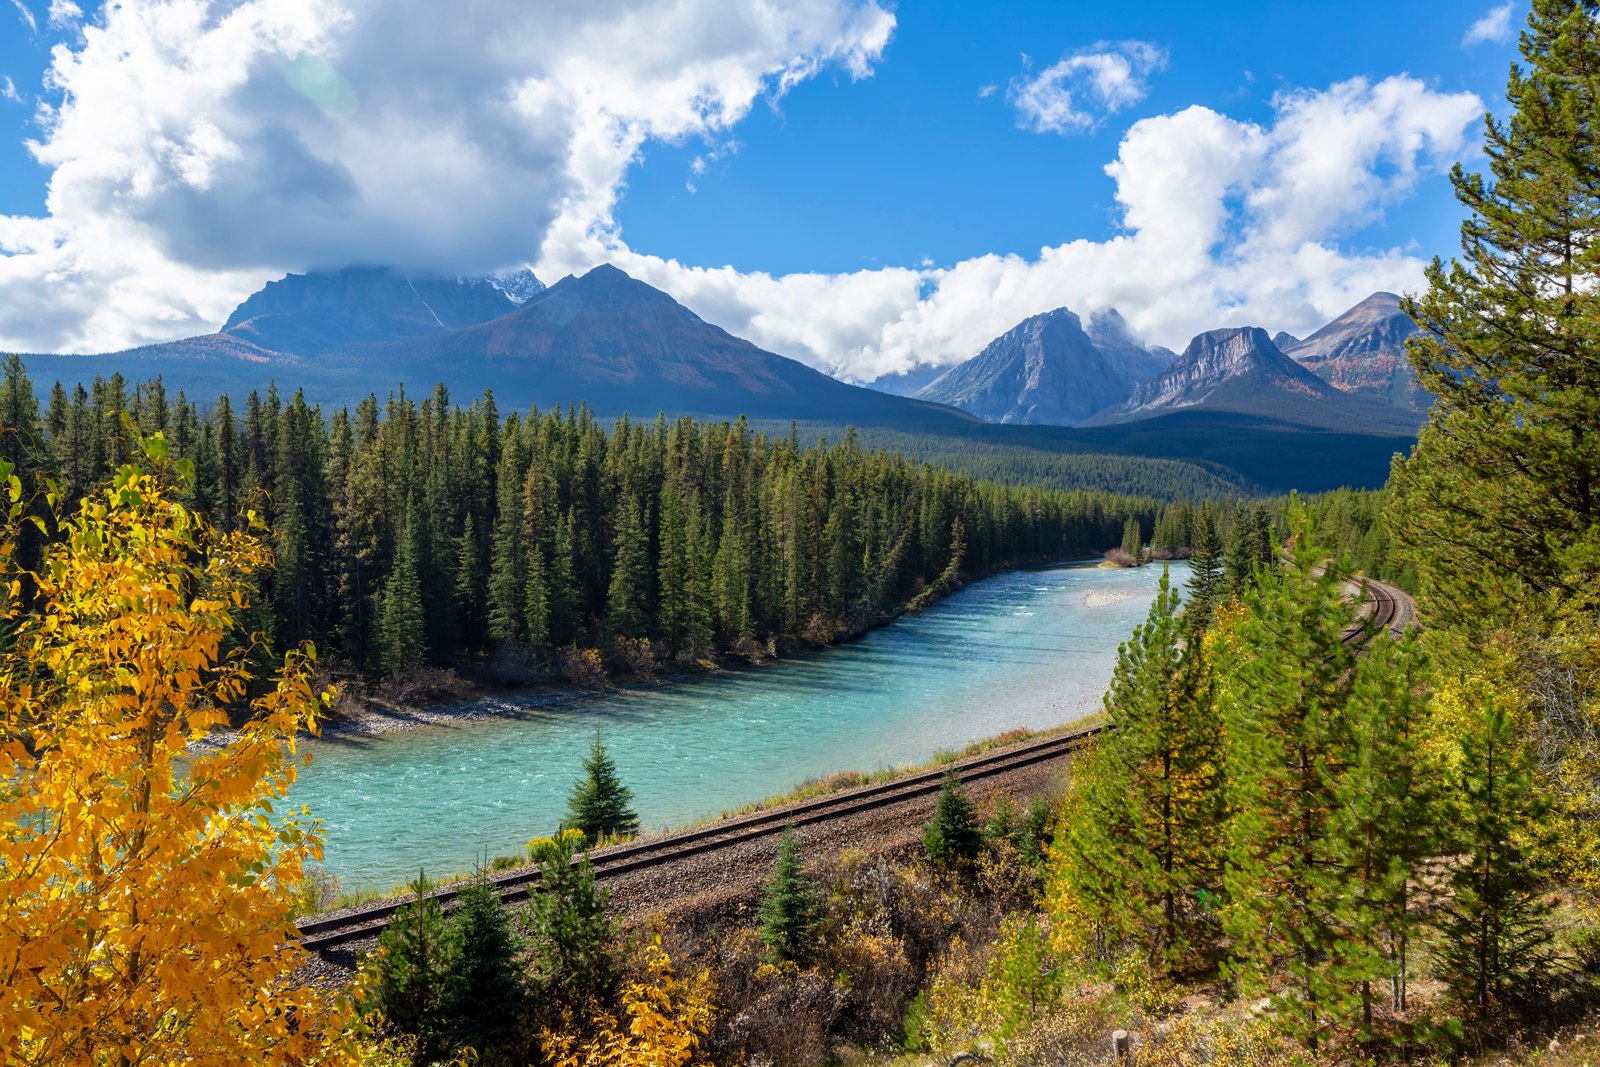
146,888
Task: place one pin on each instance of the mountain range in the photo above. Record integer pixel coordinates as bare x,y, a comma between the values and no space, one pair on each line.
620,345
1050,370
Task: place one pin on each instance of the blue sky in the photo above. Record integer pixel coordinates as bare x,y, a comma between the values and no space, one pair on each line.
861,186
912,163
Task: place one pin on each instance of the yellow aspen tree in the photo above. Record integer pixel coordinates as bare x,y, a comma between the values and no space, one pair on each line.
147,888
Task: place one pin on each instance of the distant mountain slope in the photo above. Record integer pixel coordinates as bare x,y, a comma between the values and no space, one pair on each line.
1364,351
621,345
906,383
1241,371
1047,370
307,314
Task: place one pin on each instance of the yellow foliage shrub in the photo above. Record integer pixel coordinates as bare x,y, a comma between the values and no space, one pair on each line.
665,1019
147,892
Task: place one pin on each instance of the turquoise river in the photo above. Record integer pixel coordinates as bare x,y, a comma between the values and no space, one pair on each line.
1030,648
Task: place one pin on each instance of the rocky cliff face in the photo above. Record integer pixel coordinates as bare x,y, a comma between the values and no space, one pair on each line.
1363,351
1241,372
1221,356
1047,370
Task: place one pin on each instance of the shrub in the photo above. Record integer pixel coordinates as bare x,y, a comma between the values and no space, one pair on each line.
632,655
580,667
667,1019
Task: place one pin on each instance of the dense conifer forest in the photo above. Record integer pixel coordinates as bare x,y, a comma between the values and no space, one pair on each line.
408,534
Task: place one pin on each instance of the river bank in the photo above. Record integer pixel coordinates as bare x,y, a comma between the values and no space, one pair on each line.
454,698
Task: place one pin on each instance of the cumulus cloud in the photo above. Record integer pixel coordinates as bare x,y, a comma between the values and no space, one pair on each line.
1493,28
199,147
1224,223
64,14
8,89
1076,93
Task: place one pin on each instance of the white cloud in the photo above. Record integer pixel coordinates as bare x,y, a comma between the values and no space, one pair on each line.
1077,92
64,14
8,89
198,150
1493,28
1225,223
26,15
201,146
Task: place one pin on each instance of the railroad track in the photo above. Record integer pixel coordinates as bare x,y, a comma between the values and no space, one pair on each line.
329,932
1389,608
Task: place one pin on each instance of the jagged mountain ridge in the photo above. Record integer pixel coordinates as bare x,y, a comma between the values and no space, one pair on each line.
1241,371
1047,370
1363,351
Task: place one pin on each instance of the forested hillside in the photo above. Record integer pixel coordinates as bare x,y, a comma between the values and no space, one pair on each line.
407,534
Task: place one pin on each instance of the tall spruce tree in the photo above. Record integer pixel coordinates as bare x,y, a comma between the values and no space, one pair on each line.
1206,577
1132,540
1386,822
401,620
1500,499
1145,842
600,806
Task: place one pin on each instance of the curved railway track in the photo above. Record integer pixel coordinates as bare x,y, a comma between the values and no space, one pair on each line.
1388,607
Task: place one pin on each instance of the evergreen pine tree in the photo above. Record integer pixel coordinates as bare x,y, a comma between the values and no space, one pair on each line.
600,806
1240,559
953,834
1285,705
1206,578
1496,935
627,603
469,584
1132,540
1499,502
484,998
1146,842
789,912
571,939
401,622
565,595
1385,824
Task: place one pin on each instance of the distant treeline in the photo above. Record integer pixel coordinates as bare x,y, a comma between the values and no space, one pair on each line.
410,534
1015,463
